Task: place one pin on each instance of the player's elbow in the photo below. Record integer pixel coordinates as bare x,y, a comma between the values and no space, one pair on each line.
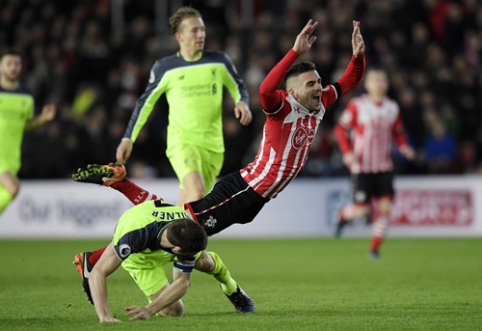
174,310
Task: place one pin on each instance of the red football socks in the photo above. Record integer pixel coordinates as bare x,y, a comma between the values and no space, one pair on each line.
134,193
376,242
95,256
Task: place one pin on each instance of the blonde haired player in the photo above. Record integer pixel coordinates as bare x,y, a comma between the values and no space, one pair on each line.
192,80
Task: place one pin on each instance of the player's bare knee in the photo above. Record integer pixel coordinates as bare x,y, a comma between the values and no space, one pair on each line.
384,206
11,183
361,210
195,195
15,189
204,263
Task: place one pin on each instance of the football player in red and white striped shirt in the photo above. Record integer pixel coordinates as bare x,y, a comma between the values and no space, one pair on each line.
365,132
292,118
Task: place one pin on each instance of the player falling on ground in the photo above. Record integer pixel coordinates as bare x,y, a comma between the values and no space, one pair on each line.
292,117
375,122
193,81
147,237
16,116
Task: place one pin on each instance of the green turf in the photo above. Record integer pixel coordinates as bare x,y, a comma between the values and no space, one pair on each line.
325,284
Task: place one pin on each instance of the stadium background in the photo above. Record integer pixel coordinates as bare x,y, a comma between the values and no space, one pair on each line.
94,63
93,59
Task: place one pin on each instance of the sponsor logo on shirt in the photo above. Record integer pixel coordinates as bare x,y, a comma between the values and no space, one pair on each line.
302,136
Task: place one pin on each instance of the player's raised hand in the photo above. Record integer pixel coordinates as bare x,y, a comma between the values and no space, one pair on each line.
137,313
124,151
242,112
357,40
304,40
48,112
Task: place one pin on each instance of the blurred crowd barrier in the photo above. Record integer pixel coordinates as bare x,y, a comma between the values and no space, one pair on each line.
424,206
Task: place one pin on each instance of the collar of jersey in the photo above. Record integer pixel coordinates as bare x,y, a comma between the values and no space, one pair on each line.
302,108
179,55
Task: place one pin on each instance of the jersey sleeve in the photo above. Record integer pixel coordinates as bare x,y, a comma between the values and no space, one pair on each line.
233,82
144,105
271,99
131,242
185,264
330,95
347,121
353,74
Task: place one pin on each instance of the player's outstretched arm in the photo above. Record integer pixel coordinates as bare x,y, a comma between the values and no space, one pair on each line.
354,72
269,97
107,264
166,298
47,115
357,42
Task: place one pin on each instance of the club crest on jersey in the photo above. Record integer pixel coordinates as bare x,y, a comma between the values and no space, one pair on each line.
301,137
210,222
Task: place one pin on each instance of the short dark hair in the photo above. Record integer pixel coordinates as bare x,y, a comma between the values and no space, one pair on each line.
180,15
9,51
299,68
188,235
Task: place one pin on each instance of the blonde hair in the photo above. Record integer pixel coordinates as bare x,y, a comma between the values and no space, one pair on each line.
180,15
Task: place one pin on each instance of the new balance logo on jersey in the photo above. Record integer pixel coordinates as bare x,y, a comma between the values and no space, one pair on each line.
210,222
152,77
181,77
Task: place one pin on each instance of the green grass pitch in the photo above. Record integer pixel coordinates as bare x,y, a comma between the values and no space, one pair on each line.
303,284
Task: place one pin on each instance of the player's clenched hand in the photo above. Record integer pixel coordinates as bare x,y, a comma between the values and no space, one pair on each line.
48,113
137,313
124,151
357,40
303,41
242,112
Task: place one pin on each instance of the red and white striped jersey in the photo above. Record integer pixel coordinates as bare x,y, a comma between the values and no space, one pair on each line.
287,139
373,127
290,128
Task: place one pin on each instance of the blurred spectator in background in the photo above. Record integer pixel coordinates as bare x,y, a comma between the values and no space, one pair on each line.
440,149
431,49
